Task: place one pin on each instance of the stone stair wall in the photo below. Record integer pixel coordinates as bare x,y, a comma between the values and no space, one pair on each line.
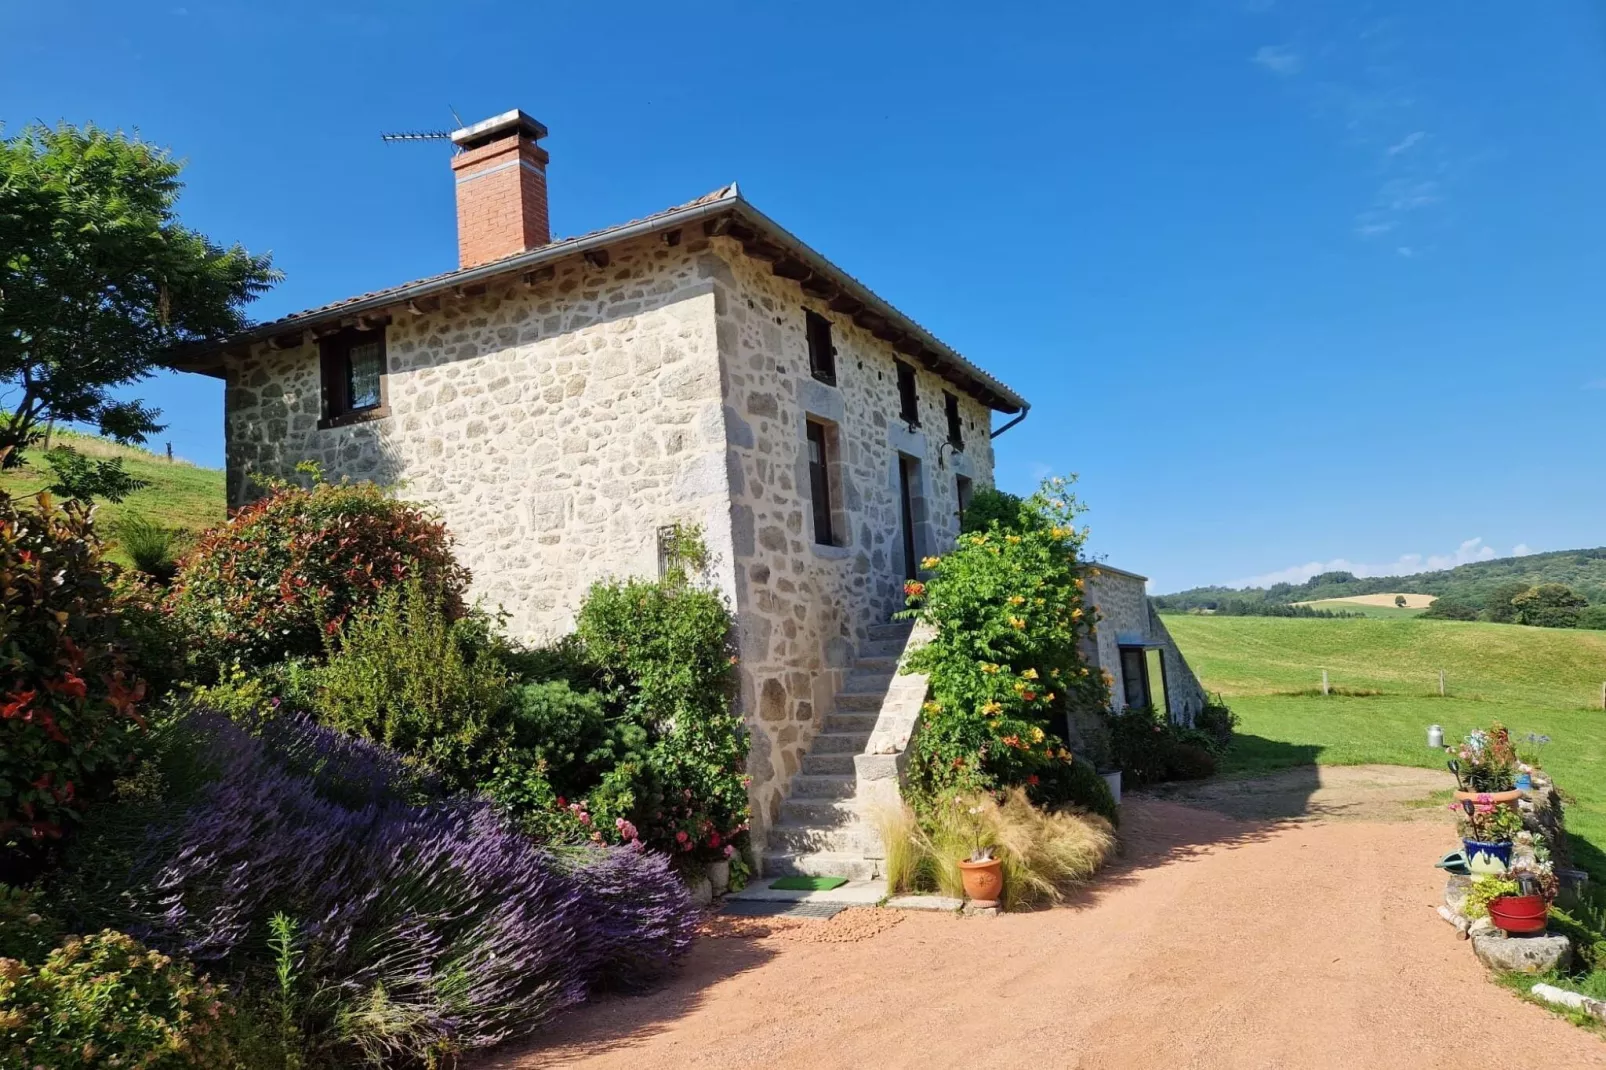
853,764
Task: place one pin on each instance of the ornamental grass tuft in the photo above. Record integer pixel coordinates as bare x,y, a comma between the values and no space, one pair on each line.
1044,852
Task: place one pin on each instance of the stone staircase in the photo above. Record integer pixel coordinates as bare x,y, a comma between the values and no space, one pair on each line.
825,828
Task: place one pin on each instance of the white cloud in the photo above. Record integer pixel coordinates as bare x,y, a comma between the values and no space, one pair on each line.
1278,59
1595,384
1522,549
1406,564
1405,143
1406,251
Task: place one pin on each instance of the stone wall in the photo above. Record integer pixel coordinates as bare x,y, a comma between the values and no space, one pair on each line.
1126,615
554,427
557,427
804,607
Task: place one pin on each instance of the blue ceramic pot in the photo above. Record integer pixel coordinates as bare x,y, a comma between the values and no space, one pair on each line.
1490,859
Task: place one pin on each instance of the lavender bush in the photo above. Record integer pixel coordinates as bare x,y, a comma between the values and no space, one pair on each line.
424,926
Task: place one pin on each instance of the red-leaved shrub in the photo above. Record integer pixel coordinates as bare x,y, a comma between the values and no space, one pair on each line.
68,698
287,570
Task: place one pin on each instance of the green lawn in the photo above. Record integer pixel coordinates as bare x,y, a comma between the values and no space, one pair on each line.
180,495
1531,679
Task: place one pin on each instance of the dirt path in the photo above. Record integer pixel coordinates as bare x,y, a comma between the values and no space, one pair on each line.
1219,941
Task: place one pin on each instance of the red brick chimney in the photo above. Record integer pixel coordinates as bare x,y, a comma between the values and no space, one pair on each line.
501,188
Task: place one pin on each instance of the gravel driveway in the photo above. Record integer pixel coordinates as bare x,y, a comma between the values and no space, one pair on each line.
1234,933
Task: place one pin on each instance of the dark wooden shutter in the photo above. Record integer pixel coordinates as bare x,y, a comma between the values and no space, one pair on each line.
822,354
956,433
908,398
820,484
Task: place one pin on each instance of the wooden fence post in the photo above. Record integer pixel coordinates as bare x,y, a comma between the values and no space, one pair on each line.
1441,683
1324,684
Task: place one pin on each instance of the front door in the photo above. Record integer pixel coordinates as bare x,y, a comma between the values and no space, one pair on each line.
908,478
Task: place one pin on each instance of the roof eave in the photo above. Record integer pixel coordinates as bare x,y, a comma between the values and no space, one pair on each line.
207,359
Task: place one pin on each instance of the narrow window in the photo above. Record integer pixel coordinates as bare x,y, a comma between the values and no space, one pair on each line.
822,354
1134,676
962,492
353,366
956,431
908,399
820,484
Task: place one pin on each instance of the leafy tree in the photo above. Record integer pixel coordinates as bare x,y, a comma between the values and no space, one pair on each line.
99,281
1447,608
82,479
1497,604
1399,600
1593,617
1550,605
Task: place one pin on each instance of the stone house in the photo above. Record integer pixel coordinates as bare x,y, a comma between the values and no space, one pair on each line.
565,404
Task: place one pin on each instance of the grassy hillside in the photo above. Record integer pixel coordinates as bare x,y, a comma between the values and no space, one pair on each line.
1539,680
181,495
1582,570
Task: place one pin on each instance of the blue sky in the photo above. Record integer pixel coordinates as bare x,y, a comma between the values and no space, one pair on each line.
1289,284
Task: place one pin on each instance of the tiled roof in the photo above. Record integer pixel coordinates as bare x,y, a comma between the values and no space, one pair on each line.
445,277
726,201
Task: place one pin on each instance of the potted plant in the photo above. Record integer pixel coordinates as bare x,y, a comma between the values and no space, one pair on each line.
1487,831
1485,767
983,876
1529,909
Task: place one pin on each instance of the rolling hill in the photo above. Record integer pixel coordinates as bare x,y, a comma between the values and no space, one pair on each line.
1582,570
180,495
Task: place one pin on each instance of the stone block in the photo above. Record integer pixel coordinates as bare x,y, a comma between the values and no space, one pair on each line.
1522,954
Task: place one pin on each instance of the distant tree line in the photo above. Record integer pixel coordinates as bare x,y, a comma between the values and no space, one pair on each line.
1561,589
1239,607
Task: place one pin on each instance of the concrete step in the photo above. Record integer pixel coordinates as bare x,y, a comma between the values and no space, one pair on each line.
888,665
859,701
859,840
882,648
827,764
821,813
866,683
854,722
823,787
839,743
818,864
899,630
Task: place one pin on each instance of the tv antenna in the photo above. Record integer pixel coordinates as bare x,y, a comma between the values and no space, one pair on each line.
425,135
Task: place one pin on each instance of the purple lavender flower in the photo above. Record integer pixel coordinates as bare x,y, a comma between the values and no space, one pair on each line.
471,931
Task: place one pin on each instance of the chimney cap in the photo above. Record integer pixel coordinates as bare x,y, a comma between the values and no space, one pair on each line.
498,126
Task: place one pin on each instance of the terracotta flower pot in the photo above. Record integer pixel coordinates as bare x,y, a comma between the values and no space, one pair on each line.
1499,798
984,881
1518,913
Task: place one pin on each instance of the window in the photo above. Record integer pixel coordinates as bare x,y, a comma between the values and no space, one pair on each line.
1134,676
820,483
956,431
353,363
1142,672
908,400
822,354
962,493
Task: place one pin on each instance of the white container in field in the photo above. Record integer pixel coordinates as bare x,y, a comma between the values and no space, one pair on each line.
1435,737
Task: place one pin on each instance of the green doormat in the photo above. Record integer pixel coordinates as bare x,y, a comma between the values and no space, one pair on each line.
807,884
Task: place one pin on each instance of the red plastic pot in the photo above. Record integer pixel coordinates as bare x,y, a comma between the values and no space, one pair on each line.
1518,913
